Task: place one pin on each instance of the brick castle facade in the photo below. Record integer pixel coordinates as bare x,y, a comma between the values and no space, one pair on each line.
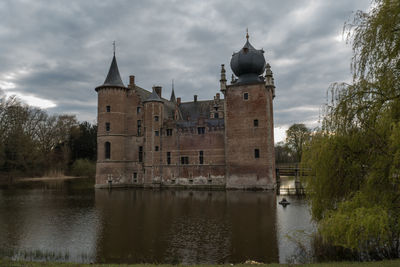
146,140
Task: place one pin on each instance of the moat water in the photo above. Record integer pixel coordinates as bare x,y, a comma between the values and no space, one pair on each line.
70,221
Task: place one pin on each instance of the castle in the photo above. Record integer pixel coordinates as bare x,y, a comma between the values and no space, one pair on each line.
145,140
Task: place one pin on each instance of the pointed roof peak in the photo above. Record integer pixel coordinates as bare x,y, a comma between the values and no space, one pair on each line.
248,46
153,97
173,98
113,76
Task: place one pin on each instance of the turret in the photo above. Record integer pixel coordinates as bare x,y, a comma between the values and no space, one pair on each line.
153,120
269,80
222,81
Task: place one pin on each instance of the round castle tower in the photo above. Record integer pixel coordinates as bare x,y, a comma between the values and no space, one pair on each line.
110,167
153,119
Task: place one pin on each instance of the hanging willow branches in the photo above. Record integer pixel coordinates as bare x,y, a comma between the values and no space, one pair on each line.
355,195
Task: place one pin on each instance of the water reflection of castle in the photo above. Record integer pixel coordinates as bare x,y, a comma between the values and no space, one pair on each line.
188,227
135,226
146,140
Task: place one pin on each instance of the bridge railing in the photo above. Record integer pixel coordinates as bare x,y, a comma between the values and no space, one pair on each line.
295,171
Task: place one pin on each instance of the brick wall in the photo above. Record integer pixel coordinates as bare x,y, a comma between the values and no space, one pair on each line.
243,169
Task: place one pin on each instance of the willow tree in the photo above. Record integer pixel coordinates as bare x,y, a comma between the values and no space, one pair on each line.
355,195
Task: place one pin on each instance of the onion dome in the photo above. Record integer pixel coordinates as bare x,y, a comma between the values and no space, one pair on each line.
248,64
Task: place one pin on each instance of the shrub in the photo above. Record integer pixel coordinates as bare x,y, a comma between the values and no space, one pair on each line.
83,167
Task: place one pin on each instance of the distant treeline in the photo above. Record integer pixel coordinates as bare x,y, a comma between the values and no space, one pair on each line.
290,150
34,143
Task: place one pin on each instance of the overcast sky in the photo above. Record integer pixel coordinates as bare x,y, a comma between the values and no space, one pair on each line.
54,53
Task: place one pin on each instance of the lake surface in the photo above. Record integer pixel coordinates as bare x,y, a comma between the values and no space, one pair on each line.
71,221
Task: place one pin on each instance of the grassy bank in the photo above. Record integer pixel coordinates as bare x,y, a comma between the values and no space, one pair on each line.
8,263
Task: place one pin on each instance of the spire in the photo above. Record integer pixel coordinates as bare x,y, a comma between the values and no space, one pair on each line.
172,99
247,34
223,79
113,76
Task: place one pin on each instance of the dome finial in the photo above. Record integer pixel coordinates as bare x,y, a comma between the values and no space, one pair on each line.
247,33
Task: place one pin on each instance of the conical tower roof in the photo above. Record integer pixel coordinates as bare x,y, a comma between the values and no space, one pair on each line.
113,76
153,97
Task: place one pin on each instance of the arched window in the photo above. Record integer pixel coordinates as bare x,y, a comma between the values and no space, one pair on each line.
107,150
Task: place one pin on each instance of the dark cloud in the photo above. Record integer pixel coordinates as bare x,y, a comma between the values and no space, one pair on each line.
61,50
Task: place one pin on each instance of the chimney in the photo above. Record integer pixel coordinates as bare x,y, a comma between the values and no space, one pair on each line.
195,98
218,96
158,90
132,80
178,101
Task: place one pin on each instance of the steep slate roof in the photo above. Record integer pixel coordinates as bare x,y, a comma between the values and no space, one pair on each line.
169,107
143,93
113,76
197,109
153,97
194,110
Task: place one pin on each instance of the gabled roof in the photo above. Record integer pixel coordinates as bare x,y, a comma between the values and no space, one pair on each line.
113,76
194,110
142,93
